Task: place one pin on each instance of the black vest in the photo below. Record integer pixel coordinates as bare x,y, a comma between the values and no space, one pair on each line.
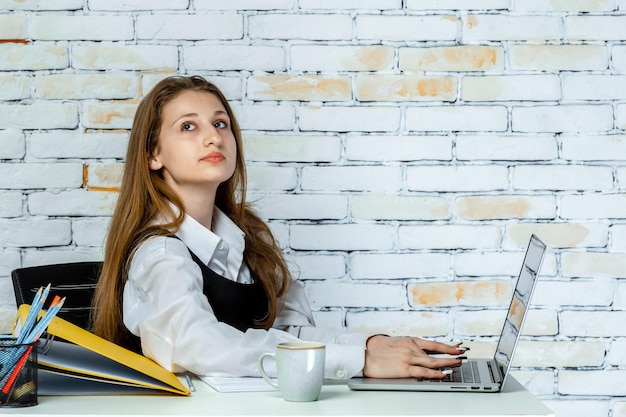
234,303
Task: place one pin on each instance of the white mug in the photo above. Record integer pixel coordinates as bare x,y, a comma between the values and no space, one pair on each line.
300,370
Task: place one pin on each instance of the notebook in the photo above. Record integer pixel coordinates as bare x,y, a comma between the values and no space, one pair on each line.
478,374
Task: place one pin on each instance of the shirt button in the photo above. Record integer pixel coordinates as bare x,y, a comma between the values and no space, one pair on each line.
341,374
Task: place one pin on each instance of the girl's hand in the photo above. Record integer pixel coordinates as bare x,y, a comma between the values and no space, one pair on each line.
401,357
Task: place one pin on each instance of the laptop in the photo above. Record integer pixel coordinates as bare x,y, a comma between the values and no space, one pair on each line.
477,374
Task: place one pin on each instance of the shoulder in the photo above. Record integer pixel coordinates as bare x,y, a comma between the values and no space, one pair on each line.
158,247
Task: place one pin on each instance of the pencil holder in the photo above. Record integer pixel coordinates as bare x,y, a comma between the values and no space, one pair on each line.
18,373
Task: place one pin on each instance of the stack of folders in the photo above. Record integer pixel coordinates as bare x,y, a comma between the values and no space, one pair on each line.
74,361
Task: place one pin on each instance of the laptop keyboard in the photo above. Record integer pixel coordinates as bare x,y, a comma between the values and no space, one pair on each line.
467,373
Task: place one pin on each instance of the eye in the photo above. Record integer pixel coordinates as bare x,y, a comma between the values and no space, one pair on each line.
220,125
187,126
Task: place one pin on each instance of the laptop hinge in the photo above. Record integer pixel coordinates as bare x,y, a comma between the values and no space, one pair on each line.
496,373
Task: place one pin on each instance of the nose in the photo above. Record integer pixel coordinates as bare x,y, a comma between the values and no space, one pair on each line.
212,136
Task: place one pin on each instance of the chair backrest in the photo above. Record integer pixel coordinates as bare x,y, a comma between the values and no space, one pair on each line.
76,281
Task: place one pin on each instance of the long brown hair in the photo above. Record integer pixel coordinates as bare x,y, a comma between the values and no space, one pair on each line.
144,196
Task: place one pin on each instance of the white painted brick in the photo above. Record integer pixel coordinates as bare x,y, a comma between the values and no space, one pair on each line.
37,233
618,57
592,147
400,265
191,27
12,144
14,87
11,204
588,382
124,57
617,353
539,383
572,5
399,148
351,178
132,5
46,257
618,238
578,293
490,207
591,28
265,117
620,295
457,118
305,26
457,4
558,57
344,237
76,145
244,4
341,57
329,319
455,178
234,57
562,118
619,407
374,205
39,115
562,177
9,260
593,206
303,206
12,26
593,264
33,57
96,28
559,235
478,323
290,148
351,4
594,87
319,267
406,28
559,354
281,234
85,86
593,323
108,114
349,119
271,178
32,176
541,322
513,148
104,176
578,408
620,116
511,88
41,4
399,323
90,232
449,237
621,178
511,27
72,203
483,264
336,294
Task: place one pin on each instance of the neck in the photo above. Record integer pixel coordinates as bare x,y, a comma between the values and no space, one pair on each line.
199,205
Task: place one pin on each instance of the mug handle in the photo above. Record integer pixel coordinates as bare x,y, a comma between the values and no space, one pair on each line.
259,364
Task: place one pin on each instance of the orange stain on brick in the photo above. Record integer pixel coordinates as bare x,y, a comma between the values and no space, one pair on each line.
461,293
374,57
305,88
476,57
106,189
435,87
471,21
22,41
494,208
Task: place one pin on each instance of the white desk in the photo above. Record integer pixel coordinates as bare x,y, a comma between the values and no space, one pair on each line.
334,400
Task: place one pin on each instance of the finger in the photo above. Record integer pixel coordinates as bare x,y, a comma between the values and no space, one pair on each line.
420,372
430,347
433,363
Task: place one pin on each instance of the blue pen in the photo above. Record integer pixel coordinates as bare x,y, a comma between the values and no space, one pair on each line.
54,308
33,313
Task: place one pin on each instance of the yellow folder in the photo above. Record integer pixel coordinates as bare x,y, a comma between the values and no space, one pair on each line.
85,364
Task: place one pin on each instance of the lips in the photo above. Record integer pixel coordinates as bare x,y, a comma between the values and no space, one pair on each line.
213,157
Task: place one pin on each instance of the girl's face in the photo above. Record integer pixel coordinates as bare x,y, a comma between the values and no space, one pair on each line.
196,146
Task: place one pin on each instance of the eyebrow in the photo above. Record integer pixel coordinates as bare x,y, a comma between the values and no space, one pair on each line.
218,112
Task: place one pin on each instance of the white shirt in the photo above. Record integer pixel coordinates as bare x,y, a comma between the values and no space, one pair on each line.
165,306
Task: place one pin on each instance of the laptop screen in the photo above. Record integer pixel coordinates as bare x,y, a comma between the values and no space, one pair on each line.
520,302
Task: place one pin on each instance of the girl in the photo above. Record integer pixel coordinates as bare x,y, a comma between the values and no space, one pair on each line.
192,277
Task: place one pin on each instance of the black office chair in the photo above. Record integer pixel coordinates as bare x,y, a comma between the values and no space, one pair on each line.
76,281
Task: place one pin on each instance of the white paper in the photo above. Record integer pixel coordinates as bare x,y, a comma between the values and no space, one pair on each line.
242,384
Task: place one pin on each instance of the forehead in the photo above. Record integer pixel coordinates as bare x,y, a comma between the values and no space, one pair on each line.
192,102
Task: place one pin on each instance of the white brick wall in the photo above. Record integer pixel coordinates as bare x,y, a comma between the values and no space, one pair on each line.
402,152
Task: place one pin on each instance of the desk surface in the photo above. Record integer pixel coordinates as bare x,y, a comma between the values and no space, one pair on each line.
335,399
